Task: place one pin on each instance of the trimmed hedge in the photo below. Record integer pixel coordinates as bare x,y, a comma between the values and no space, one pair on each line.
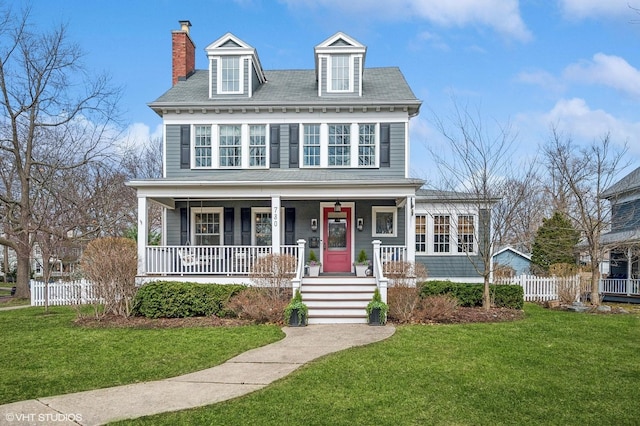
470,295
170,299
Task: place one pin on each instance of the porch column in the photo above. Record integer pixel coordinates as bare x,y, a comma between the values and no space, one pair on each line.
410,228
629,265
142,235
275,224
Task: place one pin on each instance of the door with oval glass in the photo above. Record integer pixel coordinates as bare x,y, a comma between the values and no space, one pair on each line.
336,240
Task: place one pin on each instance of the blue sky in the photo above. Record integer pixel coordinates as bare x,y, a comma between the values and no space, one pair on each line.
574,64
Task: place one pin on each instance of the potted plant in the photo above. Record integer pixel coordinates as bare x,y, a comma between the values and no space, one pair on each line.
314,265
362,264
377,310
295,313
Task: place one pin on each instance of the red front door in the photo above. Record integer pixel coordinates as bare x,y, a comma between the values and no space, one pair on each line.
336,240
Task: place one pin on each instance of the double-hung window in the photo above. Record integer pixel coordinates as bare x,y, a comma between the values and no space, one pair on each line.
203,146
441,233
466,232
339,144
230,146
257,146
230,74
207,227
311,145
340,73
367,145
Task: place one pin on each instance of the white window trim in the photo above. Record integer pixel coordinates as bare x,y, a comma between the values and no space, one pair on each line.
453,232
245,133
384,209
255,210
426,237
376,147
351,126
193,147
302,145
330,74
240,90
244,143
192,225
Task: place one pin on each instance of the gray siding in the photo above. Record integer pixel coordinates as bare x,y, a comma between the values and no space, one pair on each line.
451,266
625,216
324,83
397,169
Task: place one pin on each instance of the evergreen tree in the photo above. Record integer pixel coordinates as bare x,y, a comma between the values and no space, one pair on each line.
555,242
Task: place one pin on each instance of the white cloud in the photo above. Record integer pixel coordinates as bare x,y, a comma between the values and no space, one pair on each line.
501,15
607,70
541,78
580,9
575,117
138,135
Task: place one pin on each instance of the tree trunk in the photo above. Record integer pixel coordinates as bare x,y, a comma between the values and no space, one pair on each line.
23,275
595,285
486,294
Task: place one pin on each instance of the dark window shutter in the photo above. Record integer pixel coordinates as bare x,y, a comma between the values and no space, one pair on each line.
245,226
274,140
385,145
185,147
184,226
289,226
294,146
228,226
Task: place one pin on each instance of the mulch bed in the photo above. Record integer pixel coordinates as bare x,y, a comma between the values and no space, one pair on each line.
142,322
460,316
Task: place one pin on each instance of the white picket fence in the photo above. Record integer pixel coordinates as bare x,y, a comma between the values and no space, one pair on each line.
541,289
62,293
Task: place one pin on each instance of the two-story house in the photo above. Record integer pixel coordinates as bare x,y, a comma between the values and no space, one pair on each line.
291,161
623,241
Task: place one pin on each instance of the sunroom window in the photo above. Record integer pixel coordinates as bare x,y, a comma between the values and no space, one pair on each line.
441,234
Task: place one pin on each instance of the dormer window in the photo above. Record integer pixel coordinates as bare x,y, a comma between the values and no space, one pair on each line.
234,68
340,73
230,74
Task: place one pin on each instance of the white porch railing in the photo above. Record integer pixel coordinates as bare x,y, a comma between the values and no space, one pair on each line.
61,293
207,260
393,254
382,282
620,286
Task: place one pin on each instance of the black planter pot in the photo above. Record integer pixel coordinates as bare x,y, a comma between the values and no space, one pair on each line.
375,317
297,320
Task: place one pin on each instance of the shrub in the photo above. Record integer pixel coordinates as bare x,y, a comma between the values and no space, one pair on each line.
403,300
166,299
470,295
405,273
111,266
440,308
274,272
258,305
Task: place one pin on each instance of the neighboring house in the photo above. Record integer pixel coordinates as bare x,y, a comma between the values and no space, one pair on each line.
63,264
519,262
623,241
289,161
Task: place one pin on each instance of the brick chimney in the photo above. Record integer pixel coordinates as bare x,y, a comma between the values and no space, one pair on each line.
183,53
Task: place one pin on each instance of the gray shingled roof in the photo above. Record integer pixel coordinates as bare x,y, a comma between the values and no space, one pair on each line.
630,182
294,87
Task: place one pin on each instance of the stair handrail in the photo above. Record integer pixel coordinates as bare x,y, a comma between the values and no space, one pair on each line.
296,282
378,271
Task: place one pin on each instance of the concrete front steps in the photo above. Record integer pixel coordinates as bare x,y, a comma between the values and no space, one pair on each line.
337,300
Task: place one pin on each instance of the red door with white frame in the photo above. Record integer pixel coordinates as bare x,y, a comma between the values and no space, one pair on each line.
336,240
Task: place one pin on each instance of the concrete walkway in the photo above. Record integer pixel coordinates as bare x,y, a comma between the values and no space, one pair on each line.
241,375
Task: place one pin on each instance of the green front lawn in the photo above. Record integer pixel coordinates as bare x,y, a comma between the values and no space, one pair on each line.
46,354
551,368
